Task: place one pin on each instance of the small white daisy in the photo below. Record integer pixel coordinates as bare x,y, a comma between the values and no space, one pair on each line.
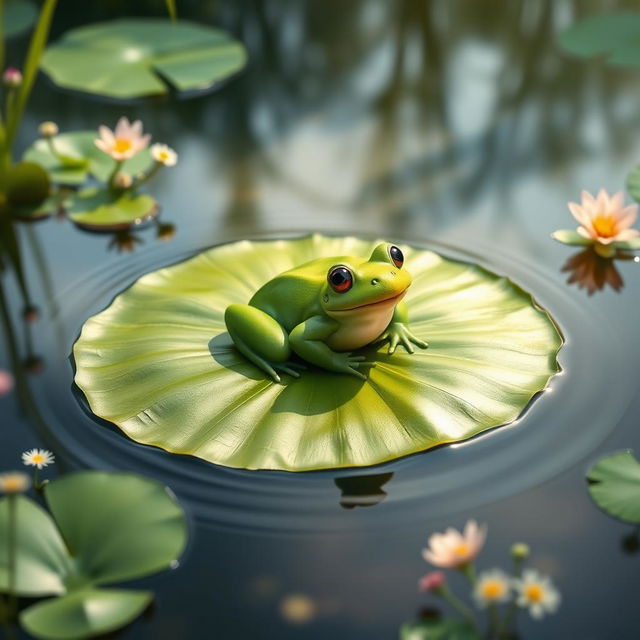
536,593
492,587
14,482
164,154
40,458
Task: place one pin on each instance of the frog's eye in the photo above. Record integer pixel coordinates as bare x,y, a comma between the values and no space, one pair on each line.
397,257
340,279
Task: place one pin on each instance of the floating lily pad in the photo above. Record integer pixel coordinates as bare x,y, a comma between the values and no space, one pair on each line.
613,36
105,210
106,527
440,629
134,58
19,15
79,158
614,485
159,364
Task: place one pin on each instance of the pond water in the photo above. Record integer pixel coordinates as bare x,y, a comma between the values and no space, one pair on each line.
453,126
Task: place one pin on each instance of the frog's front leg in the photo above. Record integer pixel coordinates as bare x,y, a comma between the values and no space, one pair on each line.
307,340
260,338
398,331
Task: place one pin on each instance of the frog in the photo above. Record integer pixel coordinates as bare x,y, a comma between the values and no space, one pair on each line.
324,310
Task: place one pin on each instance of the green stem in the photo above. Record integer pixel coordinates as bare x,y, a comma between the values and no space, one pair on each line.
114,173
151,173
54,151
11,549
458,605
469,571
503,628
30,70
494,620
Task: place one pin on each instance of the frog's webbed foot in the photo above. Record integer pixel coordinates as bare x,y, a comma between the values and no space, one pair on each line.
272,368
399,333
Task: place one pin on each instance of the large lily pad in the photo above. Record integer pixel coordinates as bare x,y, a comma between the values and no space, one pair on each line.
106,210
78,158
159,364
613,36
19,15
106,527
133,58
614,485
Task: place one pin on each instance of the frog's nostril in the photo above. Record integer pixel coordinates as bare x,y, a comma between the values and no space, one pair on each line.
375,281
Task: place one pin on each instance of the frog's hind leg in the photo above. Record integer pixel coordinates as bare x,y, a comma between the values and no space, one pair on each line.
260,339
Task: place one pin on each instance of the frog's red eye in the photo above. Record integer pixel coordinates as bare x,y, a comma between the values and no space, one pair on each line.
340,279
397,257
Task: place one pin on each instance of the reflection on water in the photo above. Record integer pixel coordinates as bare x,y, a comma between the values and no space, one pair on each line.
451,120
362,491
593,273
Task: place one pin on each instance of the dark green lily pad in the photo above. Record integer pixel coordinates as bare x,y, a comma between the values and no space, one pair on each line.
19,15
106,528
81,159
105,210
134,58
159,364
613,36
614,485
440,629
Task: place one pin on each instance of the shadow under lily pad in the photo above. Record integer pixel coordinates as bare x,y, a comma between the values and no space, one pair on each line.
157,364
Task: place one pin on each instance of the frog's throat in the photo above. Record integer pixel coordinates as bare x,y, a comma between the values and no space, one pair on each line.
370,306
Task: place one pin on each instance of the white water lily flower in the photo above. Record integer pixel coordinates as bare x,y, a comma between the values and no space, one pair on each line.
453,549
536,593
13,482
164,154
604,219
123,143
38,458
492,587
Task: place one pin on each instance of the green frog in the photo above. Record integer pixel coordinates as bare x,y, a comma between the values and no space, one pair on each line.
324,310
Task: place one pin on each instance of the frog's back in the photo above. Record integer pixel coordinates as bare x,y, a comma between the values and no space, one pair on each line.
294,296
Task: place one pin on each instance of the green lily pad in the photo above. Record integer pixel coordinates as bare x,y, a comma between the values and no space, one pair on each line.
440,629
570,237
81,159
134,58
159,364
19,15
105,210
106,527
84,614
614,485
613,36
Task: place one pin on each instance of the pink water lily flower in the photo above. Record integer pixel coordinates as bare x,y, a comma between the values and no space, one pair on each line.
452,549
124,142
605,219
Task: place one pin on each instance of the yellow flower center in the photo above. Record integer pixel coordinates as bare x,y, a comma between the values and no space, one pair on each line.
122,145
13,484
492,589
605,225
461,549
37,458
163,155
534,592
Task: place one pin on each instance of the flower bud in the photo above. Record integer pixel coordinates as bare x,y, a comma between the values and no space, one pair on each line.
48,129
432,581
12,78
6,382
520,551
123,180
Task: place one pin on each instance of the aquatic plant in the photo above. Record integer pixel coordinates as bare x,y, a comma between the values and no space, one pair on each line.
604,223
38,459
614,485
499,594
101,528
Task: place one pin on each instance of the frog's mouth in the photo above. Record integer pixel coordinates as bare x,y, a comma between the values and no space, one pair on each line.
388,301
